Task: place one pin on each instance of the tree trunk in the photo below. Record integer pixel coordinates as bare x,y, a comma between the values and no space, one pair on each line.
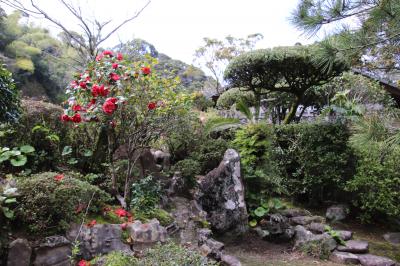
292,112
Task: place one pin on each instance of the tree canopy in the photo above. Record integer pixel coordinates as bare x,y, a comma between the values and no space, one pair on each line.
369,30
293,70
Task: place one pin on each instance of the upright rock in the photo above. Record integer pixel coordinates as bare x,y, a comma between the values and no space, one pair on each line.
221,195
53,251
19,253
337,212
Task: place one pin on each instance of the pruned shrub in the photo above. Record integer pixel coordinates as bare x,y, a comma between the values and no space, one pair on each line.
50,201
234,96
188,168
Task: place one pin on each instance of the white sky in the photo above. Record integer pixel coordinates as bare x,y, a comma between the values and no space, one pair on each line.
176,27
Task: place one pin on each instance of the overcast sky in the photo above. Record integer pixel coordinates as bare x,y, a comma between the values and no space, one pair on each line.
176,27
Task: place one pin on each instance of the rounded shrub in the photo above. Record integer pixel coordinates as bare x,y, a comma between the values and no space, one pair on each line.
50,201
234,96
188,168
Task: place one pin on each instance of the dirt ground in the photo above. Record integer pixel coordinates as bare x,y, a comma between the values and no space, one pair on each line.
253,251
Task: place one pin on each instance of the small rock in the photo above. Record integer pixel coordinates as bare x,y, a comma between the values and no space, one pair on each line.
303,237
147,233
372,260
343,257
205,250
19,253
228,260
216,249
393,238
260,232
304,220
295,212
354,246
203,234
337,212
345,235
53,251
318,228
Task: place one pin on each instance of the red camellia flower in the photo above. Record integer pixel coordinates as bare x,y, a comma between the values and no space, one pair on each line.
107,52
76,118
115,65
91,223
65,118
109,106
120,56
59,177
120,212
99,57
83,263
146,70
99,91
124,226
114,76
77,108
83,85
151,105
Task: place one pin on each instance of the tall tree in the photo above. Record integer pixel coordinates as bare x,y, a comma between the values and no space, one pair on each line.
293,70
215,54
369,30
94,32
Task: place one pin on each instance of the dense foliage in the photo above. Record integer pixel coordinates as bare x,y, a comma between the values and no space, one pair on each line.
50,201
9,101
234,96
288,70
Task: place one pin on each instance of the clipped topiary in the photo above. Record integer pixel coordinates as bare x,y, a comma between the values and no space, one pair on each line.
50,201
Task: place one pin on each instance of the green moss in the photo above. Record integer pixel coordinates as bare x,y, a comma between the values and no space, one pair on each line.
385,249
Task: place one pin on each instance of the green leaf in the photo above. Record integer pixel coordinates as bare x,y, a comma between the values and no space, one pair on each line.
260,211
87,153
253,223
53,138
72,161
5,149
8,213
11,200
19,160
67,150
27,149
5,156
15,152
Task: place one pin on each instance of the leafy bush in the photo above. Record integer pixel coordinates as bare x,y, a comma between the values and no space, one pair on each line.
49,201
9,97
188,168
234,96
255,143
316,159
169,254
146,194
209,153
376,184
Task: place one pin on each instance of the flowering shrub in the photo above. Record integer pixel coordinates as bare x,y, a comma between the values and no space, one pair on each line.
135,104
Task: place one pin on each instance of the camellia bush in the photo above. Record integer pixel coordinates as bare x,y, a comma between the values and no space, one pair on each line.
135,104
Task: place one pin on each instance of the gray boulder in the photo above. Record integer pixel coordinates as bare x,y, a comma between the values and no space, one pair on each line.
345,235
295,212
317,228
53,251
344,258
372,260
393,238
278,228
99,239
304,220
303,238
19,253
354,246
337,212
147,233
221,195
228,260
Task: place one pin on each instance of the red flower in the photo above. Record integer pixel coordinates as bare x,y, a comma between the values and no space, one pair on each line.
76,118
114,76
59,177
65,118
146,70
83,263
99,91
77,108
120,212
91,223
74,84
124,226
115,65
99,57
107,52
109,106
120,56
151,105
83,85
